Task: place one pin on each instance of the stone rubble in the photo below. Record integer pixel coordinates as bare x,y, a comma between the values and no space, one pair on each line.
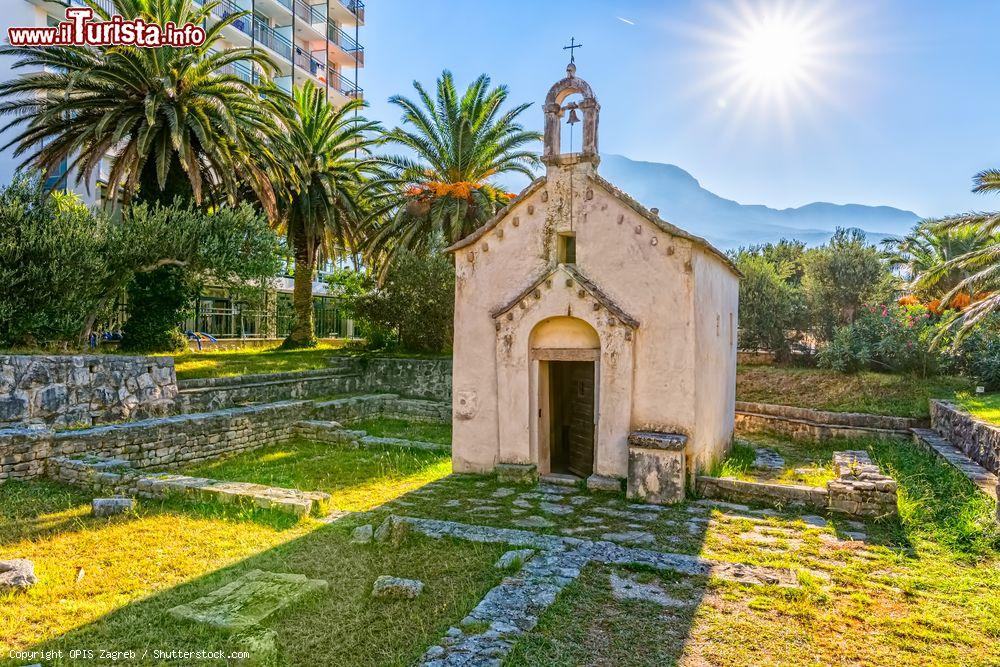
106,507
396,587
17,575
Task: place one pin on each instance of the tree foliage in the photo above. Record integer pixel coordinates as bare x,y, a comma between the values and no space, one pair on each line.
841,276
413,307
175,119
460,141
771,306
65,264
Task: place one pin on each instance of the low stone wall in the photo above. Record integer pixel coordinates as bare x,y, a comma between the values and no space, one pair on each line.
84,389
192,438
113,476
206,394
735,490
860,490
980,440
415,378
420,379
809,424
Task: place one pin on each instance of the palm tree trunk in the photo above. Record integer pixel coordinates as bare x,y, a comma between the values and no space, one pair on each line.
303,330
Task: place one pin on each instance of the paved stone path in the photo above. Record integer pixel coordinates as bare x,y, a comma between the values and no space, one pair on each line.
512,608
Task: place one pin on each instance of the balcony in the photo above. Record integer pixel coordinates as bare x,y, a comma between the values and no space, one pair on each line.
354,51
348,11
307,63
343,85
270,38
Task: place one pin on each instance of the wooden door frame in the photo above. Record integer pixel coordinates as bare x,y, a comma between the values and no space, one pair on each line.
540,392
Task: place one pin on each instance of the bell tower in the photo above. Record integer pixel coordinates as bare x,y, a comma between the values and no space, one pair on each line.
554,109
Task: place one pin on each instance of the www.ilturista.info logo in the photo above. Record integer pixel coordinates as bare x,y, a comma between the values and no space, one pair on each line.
80,29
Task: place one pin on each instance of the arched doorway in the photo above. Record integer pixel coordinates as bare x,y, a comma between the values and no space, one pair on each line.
567,353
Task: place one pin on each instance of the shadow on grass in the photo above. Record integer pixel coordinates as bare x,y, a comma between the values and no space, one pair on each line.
343,625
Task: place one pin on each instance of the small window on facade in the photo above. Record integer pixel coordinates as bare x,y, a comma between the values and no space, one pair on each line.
567,248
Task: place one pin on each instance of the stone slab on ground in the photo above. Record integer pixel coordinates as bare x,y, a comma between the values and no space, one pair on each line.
248,600
767,459
396,587
105,507
628,588
92,473
533,522
17,575
514,556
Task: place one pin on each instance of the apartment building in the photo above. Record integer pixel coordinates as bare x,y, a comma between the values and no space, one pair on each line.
316,40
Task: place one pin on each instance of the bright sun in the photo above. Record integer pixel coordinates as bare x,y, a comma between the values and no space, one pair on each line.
772,53
775,59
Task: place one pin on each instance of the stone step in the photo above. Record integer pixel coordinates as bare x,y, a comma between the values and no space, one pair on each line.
982,478
560,479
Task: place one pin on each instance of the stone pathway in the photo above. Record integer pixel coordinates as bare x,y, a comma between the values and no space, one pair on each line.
512,608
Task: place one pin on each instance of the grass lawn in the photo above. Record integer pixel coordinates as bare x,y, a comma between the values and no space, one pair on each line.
136,567
253,360
875,393
807,463
985,406
358,479
406,429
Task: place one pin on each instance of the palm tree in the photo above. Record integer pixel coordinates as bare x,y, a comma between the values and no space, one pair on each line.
324,155
927,247
460,143
175,120
980,265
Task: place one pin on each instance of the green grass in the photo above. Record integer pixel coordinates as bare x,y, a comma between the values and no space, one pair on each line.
819,389
253,360
922,591
806,462
984,406
406,429
136,567
357,479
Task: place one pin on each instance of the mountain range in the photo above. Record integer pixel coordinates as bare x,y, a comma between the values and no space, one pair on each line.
729,224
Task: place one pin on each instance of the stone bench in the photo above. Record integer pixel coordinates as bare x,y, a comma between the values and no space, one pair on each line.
656,467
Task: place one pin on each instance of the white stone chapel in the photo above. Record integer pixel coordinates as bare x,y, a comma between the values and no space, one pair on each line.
593,339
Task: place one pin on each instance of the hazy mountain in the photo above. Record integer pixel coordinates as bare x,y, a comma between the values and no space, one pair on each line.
729,224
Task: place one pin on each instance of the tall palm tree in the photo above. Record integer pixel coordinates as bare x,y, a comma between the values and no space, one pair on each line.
460,142
980,264
325,157
175,120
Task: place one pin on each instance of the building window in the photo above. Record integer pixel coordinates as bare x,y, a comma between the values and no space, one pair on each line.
567,248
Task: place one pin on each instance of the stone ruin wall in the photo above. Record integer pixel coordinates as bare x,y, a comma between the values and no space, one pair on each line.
59,390
980,440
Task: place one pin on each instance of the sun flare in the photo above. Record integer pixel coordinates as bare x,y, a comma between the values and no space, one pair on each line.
776,60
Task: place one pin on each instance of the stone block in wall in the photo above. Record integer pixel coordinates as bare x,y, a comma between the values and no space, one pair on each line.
67,390
778,495
656,467
860,488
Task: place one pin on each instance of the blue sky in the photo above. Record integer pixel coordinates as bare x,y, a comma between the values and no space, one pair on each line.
891,101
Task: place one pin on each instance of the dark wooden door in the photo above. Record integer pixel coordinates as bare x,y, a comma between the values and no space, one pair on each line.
572,409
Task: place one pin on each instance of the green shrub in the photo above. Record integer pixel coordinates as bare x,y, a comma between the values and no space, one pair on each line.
978,355
158,301
771,307
61,265
886,338
412,310
53,265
